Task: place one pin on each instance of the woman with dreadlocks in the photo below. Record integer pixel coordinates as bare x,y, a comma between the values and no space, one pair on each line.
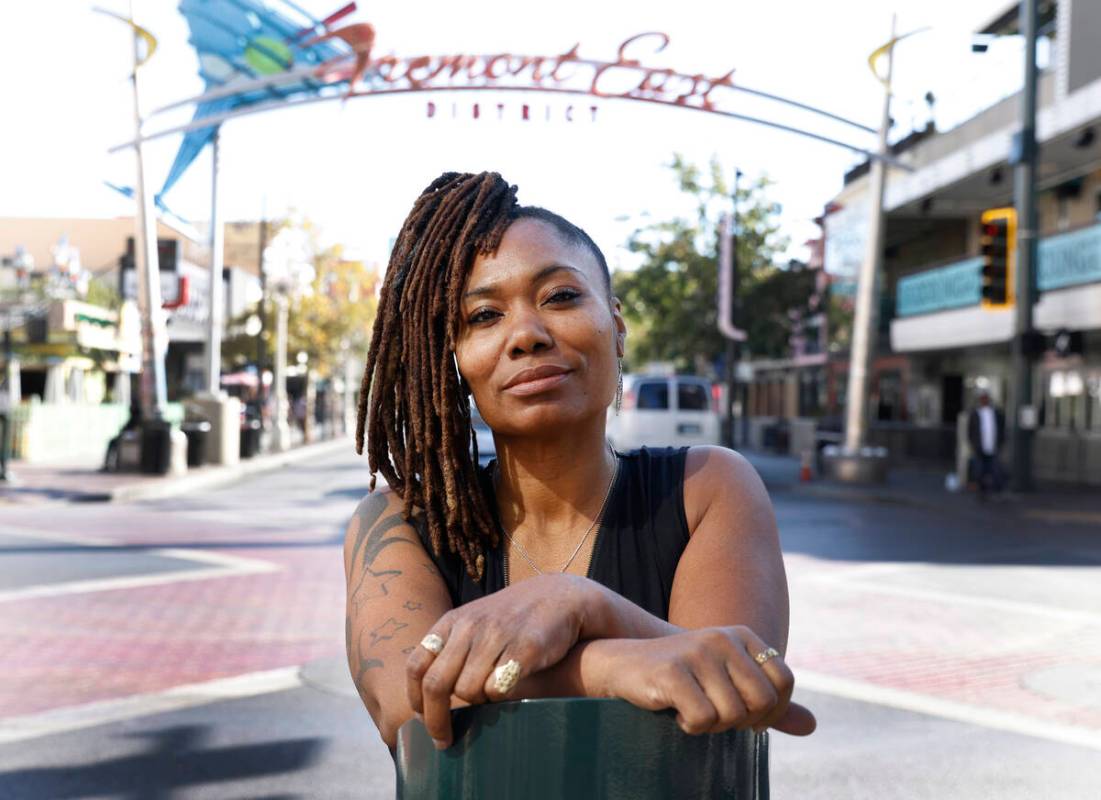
564,568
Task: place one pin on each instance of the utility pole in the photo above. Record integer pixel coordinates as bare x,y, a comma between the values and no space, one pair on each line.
1023,417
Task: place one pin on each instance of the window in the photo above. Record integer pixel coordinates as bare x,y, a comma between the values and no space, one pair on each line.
653,396
691,397
1093,401
1066,400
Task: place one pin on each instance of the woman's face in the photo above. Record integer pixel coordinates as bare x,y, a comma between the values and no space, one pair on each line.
538,335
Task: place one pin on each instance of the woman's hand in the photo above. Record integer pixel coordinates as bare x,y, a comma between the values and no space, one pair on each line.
535,623
710,677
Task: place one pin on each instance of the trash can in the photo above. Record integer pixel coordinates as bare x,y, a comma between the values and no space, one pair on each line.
197,431
250,437
578,747
156,447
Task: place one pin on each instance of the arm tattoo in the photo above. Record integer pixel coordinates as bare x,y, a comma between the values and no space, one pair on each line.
370,533
369,663
356,661
413,605
372,584
385,631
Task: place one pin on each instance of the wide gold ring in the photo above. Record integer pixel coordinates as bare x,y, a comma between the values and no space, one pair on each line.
506,676
433,643
765,655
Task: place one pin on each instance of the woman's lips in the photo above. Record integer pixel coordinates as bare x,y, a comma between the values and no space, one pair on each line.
538,385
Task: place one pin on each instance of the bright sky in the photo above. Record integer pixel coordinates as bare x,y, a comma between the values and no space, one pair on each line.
355,168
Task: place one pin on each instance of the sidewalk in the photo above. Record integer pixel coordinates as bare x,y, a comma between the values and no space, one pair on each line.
78,483
924,488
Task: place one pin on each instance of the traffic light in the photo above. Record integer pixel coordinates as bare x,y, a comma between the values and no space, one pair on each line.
998,245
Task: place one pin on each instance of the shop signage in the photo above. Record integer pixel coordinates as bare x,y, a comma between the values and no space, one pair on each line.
952,286
1069,259
285,77
567,72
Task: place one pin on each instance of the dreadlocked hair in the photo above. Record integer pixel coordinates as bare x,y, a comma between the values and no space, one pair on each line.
413,405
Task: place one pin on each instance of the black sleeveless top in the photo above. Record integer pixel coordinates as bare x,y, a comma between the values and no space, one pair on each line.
641,536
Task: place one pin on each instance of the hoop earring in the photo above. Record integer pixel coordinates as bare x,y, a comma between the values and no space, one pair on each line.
619,389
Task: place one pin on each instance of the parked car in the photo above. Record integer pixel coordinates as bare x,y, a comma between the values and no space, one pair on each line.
664,411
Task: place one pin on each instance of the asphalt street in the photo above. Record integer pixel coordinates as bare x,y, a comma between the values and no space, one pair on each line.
192,648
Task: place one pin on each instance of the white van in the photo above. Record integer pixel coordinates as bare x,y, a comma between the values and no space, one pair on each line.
664,411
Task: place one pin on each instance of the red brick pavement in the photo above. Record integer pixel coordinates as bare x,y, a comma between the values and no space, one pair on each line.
73,649
963,652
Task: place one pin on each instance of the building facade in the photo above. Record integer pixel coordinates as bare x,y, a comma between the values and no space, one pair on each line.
948,347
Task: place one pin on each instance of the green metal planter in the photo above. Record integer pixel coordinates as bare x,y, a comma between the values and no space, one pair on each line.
578,748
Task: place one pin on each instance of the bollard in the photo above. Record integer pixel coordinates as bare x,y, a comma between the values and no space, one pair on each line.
603,749
805,473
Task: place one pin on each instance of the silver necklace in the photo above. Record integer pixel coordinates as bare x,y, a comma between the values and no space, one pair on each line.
531,562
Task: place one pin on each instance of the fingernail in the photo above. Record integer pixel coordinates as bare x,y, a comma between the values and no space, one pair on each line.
440,744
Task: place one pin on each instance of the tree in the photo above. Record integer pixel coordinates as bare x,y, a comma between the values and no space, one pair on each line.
330,321
670,299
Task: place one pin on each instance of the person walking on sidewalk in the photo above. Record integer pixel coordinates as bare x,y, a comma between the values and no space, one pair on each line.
564,568
986,433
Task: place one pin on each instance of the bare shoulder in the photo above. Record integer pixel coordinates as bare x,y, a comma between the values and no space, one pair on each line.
719,478
377,524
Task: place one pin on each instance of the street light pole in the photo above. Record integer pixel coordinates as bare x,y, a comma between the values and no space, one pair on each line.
213,360
730,236
865,316
281,433
727,288
1023,419
154,392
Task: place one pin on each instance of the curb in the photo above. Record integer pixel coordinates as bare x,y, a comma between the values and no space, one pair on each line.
828,492
211,477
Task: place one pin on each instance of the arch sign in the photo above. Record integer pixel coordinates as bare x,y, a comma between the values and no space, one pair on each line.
256,57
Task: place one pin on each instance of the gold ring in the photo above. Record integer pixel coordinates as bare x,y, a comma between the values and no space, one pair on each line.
765,655
506,676
432,643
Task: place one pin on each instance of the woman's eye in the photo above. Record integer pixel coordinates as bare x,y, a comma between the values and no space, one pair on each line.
481,315
563,295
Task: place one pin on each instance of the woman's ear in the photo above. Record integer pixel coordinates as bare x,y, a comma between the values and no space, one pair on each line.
620,328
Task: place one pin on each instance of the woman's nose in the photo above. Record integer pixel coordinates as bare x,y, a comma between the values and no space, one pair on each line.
527,333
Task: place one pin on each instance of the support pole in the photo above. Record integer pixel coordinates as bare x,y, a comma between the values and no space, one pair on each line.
213,354
154,338
730,235
261,350
866,312
1022,417
281,434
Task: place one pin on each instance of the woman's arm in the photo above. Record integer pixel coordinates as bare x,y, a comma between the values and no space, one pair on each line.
395,594
573,637
729,604
731,572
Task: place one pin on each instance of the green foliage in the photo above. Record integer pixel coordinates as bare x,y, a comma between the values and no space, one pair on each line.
103,294
839,318
670,300
330,322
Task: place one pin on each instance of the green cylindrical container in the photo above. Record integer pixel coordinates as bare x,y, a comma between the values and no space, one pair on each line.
578,748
